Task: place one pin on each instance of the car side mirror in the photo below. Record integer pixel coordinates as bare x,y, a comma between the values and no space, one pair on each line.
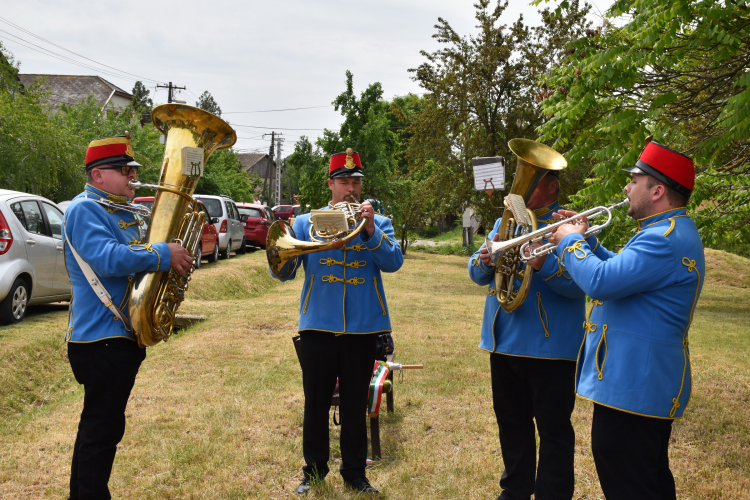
214,220
243,218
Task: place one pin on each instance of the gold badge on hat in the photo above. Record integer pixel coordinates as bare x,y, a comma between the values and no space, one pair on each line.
349,159
129,148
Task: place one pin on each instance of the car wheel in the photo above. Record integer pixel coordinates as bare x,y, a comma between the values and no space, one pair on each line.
215,255
228,251
198,257
243,247
13,307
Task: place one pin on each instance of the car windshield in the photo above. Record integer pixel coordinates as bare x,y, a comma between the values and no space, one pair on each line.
213,206
146,203
296,210
250,212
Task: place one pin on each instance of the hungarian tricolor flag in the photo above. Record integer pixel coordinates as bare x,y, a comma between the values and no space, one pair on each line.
379,374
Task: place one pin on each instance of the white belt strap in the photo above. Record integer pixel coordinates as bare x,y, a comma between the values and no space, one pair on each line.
96,285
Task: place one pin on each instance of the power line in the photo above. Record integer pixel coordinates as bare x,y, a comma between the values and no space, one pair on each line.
64,58
275,128
67,50
274,110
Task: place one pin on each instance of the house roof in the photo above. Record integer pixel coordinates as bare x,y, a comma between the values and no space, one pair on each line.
72,89
249,160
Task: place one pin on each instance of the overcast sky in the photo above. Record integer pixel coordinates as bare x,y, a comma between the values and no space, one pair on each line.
250,55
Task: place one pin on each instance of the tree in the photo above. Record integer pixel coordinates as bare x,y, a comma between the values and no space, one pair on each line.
223,175
8,72
142,103
206,102
679,71
141,100
480,94
309,169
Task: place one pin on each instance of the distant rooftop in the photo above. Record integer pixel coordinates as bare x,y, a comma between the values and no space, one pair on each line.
72,89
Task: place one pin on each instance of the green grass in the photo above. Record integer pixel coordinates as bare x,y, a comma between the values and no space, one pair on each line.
216,412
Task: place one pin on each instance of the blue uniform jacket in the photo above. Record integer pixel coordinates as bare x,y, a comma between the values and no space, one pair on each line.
343,290
635,356
107,239
548,324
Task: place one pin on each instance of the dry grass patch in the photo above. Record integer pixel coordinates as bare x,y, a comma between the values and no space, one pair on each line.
216,412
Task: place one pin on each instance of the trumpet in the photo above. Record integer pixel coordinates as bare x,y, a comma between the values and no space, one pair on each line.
497,248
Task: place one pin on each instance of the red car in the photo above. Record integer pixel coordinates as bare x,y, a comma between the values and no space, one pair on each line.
286,212
209,247
257,220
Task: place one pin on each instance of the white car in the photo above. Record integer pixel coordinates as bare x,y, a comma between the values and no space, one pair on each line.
32,263
228,222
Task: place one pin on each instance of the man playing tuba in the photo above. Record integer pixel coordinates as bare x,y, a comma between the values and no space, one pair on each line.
102,254
342,309
532,361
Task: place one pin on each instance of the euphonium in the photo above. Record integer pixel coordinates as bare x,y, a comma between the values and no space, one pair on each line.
192,136
282,245
534,161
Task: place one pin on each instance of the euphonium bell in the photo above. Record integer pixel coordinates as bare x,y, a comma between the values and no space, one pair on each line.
282,245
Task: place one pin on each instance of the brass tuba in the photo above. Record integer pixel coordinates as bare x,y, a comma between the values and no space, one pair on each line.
534,161
192,136
282,245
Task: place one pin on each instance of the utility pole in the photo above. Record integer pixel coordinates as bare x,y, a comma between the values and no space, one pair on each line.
275,186
278,169
171,88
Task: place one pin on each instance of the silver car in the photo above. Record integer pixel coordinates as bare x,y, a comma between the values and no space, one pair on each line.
32,263
226,218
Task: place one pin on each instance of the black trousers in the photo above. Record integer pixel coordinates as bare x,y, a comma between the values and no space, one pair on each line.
631,455
525,390
324,358
107,370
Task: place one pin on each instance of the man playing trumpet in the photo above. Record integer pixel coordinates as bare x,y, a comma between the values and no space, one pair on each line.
532,361
635,362
342,309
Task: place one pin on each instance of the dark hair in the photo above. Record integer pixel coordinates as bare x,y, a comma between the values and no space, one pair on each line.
674,198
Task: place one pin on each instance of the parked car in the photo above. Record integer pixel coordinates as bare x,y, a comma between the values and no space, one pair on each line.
228,223
209,247
257,220
286,212
63,205
32,264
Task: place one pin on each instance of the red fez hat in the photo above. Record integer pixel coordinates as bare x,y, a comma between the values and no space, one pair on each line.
666,165
345,164
115,151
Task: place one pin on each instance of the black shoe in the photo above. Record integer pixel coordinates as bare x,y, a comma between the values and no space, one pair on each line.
304,486
360,484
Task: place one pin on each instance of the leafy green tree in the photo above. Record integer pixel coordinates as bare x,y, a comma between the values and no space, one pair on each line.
8,72
142,103
141,100
310,170
678,70
84,122
366,129
206,102
223,175
480,93
35,155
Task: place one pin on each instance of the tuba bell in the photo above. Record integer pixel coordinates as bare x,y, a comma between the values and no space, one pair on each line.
192,136
534,161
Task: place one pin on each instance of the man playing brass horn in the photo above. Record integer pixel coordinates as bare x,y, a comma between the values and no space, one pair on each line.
532,361
342,309
102,254
635,361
